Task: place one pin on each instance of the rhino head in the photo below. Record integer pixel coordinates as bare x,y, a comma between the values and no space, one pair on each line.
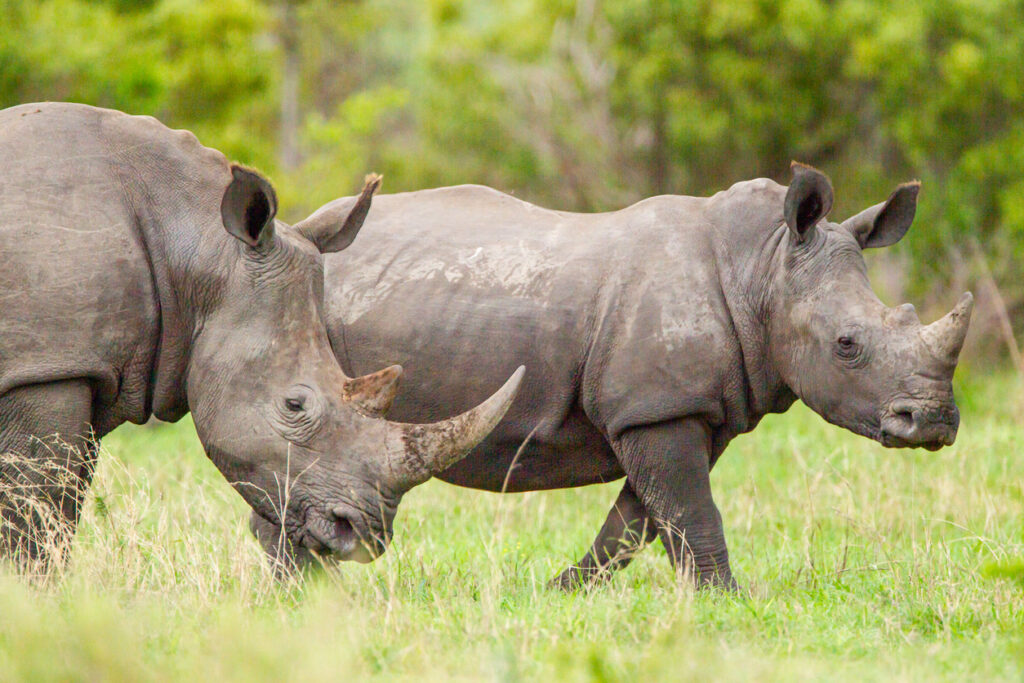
303,444
874,370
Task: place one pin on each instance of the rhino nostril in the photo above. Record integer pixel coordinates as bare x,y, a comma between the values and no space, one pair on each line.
904,416
357,546
343,528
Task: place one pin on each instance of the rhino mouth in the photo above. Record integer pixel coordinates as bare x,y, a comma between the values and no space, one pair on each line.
341,534
918,424
892,441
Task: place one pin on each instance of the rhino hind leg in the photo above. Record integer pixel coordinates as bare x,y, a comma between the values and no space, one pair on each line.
626,531
47,455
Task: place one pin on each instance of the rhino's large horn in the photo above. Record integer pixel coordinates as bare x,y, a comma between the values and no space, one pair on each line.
945,337
416,452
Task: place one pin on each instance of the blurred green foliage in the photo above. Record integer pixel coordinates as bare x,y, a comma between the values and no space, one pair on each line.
193,64
580,104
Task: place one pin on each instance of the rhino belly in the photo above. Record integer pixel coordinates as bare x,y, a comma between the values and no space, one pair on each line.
576,454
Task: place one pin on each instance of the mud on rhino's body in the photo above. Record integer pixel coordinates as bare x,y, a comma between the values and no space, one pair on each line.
653,335
142,274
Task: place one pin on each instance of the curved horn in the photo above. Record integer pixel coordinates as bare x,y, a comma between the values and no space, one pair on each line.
373,394
416,452
945,337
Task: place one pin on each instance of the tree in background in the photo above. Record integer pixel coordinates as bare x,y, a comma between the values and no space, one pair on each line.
584,104
209,67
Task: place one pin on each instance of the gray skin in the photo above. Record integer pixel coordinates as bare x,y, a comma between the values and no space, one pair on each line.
142,274
654,335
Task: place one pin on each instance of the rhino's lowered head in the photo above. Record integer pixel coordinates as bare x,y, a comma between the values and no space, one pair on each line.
874,370
306,446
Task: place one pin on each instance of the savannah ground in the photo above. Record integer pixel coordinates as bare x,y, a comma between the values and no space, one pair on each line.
857,563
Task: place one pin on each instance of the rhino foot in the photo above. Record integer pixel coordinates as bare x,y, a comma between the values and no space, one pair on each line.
576,578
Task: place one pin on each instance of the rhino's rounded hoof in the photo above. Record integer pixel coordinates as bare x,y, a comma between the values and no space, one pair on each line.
716,581
568,581
574,579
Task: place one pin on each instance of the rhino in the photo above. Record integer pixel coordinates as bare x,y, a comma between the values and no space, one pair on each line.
654,336
142,274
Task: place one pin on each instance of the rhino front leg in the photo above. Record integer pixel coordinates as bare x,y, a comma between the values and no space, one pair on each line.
47,455
668,466
626,531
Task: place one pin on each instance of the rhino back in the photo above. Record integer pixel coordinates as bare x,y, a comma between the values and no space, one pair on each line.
78,292
464,273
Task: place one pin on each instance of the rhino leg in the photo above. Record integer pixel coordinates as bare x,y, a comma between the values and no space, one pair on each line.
668,465
626,531
47,455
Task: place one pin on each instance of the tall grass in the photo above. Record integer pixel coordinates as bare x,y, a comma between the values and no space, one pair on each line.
857,562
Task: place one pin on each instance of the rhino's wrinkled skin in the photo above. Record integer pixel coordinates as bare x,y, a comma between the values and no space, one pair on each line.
654,335
142,274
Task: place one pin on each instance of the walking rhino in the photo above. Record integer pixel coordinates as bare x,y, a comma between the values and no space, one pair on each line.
142,274
654,335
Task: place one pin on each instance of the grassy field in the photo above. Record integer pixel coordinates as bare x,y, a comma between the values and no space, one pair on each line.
858,563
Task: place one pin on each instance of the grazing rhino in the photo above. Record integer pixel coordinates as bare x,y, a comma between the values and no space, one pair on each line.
142,274
654,334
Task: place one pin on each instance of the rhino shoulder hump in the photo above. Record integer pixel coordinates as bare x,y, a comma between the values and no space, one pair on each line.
142,129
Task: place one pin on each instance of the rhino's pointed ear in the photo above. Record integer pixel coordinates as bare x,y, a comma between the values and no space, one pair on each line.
334,226
885,224
808,200
249,206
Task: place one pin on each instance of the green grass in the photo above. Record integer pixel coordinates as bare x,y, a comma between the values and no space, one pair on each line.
858,562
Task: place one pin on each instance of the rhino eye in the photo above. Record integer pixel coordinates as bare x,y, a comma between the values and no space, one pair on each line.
847,348
298,414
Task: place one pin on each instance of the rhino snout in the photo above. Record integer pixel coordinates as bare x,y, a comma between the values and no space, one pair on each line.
343,534
909,423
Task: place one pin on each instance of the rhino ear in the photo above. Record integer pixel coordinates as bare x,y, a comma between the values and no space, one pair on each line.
885,224
334,226
249,206
808,200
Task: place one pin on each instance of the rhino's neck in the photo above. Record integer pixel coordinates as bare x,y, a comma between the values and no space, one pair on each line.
176,190
749,239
